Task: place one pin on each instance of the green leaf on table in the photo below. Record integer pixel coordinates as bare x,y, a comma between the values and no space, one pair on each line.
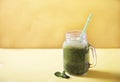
63,75
58,74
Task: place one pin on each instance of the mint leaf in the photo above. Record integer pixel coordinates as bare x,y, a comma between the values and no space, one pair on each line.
58,74
65,76
62,75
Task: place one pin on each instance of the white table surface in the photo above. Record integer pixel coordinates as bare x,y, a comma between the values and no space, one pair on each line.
39,65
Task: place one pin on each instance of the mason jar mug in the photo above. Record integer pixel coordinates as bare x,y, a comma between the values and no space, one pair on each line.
76,55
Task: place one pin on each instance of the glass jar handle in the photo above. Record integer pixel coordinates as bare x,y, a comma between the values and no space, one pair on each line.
93,64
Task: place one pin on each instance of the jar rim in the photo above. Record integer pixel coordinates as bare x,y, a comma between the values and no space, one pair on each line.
74,33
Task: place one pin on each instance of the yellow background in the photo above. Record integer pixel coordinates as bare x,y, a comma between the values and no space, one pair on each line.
43,23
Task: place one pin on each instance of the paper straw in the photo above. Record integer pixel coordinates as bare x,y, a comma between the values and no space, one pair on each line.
86,26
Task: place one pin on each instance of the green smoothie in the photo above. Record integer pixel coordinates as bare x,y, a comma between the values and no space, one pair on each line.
76,60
